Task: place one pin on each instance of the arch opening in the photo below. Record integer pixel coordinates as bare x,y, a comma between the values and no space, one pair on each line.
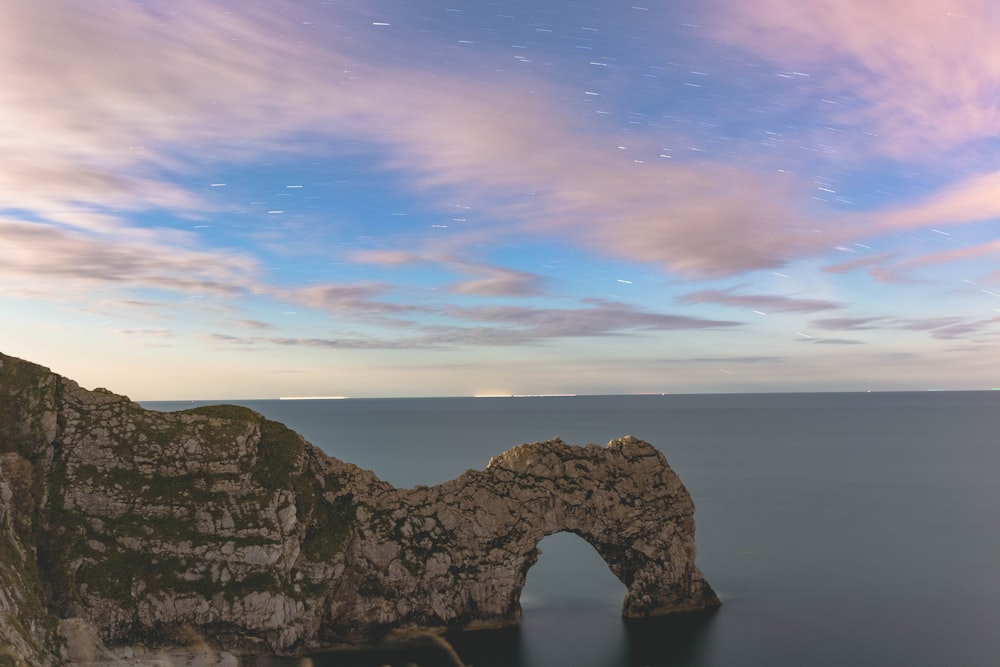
571,574
571,607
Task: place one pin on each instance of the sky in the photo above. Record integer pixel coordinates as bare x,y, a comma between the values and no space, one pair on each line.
210,200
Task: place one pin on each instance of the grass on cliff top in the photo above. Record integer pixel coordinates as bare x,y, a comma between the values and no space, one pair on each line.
225,411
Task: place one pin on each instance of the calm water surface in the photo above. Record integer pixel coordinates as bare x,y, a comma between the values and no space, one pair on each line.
839,529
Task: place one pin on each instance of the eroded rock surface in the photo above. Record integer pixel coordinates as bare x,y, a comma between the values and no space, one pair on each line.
149,526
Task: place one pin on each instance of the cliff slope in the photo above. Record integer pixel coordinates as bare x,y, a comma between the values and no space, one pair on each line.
148,526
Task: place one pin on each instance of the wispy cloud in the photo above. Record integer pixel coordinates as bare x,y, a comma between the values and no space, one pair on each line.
776,303
945,328
254,324
973,199
973,203
501,325
952,328
43,253
873,261
848,323
148,338
830,341
902,270
598,318
363,302
156,333
500,282
484,279
751,360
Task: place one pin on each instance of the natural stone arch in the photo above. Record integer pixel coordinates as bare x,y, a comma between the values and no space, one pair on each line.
627,503
218,519
457,554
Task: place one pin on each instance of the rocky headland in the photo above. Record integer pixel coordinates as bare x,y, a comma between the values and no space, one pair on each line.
125,527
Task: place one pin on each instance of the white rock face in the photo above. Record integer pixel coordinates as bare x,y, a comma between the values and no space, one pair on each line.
218,520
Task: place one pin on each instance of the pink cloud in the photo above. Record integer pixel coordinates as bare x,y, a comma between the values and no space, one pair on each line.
898,270
860,263
352,301
944,328
498,281
388,257
974,199
499,325
849,323
925,71
66,260
894,267
527,162
485,280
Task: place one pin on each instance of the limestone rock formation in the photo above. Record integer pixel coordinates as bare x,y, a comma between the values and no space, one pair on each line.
147,526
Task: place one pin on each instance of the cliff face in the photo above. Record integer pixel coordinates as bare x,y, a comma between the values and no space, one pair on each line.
148,524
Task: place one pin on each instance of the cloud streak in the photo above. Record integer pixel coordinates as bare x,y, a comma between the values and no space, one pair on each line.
765,302
486,280
942,328
500,282
46,254
500,326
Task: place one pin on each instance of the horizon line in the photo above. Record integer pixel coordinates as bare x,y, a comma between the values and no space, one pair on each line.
567,395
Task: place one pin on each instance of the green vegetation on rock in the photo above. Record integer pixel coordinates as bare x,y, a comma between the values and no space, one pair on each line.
26,392
278,455
329,528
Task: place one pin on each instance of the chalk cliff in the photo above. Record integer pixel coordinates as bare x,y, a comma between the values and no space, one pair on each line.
146,526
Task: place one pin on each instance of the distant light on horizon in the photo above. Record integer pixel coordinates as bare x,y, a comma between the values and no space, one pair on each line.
313,398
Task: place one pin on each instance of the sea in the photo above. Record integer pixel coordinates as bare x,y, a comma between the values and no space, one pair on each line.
837,528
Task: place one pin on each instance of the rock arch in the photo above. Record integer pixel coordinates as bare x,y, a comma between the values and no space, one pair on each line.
457,554
216,518
626,502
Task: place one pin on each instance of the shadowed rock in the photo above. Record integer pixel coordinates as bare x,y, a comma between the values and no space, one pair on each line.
147,525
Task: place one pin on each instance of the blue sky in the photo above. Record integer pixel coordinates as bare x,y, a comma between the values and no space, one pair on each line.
390,198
